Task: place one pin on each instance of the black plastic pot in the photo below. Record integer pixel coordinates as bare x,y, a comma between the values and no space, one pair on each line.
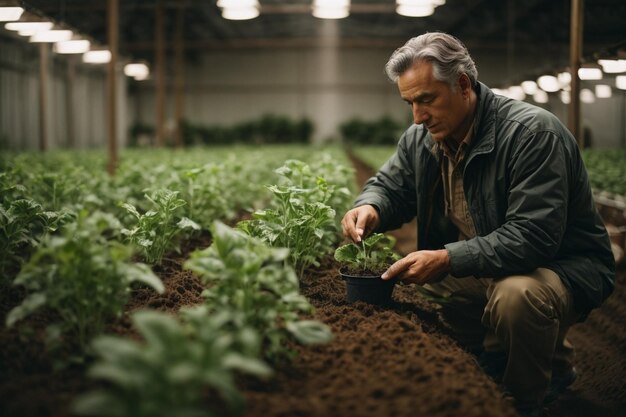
371,289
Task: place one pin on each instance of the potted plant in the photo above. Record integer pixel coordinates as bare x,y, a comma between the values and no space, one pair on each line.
363,266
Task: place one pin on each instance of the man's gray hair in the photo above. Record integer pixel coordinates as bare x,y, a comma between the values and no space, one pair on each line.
448,56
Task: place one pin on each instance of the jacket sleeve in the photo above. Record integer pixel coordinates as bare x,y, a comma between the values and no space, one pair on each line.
536,214
392,189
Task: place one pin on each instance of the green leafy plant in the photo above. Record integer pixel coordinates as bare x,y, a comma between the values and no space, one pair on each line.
83,278
156,230
169,372
374,255
248,276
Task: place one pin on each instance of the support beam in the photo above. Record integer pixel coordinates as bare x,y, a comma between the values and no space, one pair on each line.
576,41
70,80
179,81
113,30
160,75
43,97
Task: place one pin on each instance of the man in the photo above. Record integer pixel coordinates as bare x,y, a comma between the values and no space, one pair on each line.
507,226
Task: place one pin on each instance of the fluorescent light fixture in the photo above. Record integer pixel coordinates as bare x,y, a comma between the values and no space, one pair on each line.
9,14
590,74
28,28
587,96
529,87
516,92
620,82
566,97
77,46
564,78
548,83
540,96
329,9
52,36
239,9
613,66
97,57
138,71
415,11
603,91
498,91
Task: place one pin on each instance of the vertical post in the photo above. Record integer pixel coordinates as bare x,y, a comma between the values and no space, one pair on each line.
113,10
69,101
576,40
160,75
180,76
43,97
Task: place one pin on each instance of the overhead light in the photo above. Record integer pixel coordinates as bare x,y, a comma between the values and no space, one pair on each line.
52,36
564,78
589,73
239,9
97,57
565,97
28,28
516,92
548,83
603,91
587,96
540,96
613,66
620,82
415,11
529,87
331,9
138,71
9,14
76,46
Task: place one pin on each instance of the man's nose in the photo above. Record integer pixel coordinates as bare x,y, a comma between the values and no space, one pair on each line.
419,115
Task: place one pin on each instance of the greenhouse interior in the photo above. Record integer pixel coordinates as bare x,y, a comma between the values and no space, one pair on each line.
312,208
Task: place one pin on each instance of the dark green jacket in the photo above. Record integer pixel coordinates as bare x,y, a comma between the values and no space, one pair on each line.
528,193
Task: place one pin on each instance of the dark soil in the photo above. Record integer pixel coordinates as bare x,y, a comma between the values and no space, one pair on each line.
395,361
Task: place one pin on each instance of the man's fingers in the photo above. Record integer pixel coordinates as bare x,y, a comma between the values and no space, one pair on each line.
395,269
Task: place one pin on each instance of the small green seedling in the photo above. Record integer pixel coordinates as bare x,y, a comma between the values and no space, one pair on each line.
372,257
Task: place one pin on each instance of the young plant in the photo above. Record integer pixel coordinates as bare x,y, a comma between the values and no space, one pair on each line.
170,372
157,230
372,257
83,278
248,276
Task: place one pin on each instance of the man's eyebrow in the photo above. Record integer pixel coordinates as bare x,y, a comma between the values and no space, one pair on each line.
418,97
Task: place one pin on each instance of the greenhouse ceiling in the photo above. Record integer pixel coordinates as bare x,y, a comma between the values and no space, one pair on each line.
497,25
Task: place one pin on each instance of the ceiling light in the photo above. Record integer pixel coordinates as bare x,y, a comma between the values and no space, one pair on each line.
613,66
564,78
529,87
138,71
603,91
52,36
590,73
587,96
415,11
548,83
77,46
97,57
9,14
239,9
540,96
620,82
331,9
565,97
516,92
28,28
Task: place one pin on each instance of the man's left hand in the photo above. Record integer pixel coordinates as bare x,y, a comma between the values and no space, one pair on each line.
420,267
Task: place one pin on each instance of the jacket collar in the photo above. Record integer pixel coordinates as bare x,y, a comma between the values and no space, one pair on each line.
484,140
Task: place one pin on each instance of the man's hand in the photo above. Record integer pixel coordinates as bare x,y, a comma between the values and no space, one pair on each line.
360,222
420,267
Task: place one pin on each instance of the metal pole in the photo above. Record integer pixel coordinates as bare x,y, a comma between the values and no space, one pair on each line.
576,40
113,8
180,77
69,101
160,75
43,97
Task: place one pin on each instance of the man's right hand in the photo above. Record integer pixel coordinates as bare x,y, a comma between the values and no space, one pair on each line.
360,222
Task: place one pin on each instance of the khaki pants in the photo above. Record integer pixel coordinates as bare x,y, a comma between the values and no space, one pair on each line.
526,316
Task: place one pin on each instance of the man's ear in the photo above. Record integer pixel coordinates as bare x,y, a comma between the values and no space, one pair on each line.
465,83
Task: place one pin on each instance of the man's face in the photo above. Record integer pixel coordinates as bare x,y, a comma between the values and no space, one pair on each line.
443,111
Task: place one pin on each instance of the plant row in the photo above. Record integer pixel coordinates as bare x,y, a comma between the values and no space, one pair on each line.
74,249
